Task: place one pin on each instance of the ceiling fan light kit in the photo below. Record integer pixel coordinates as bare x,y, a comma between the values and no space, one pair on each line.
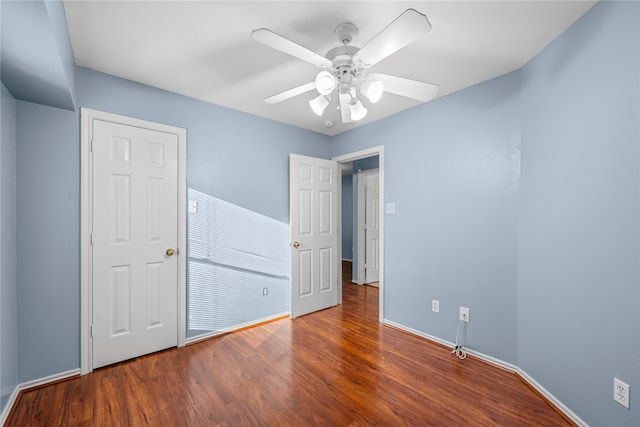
325,83
372,89
358,112
345,67
319,104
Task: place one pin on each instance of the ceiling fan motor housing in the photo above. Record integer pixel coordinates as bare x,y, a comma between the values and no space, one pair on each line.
344,69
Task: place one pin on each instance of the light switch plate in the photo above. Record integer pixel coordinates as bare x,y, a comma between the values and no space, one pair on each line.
435,306
193,206
390,208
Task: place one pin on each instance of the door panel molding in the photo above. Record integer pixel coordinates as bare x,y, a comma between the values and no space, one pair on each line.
364,217
314,231
88,116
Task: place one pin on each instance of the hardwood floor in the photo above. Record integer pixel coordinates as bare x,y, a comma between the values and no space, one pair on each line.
337,367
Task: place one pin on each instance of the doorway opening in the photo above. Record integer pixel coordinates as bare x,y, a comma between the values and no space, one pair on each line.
352,163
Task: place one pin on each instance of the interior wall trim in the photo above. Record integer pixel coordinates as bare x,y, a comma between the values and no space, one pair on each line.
20,388
350,157
520,373
9,406
560,407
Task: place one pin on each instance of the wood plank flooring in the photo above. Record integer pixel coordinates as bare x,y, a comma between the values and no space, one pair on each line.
337,367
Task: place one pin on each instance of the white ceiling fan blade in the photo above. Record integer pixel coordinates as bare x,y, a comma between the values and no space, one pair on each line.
404,30
415,89
287,94
344,107
276,41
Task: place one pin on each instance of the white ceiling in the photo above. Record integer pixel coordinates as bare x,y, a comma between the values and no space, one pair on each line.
202,49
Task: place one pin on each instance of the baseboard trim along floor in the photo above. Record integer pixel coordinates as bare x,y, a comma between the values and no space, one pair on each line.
40,382
560,407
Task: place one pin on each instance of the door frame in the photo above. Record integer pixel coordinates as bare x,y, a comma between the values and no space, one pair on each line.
86,215
350,157
362,246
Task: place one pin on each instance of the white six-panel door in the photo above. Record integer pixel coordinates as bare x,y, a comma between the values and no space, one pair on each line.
372,229
134,239
314,234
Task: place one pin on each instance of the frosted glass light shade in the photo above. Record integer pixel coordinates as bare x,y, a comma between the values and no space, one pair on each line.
319,104
325,82
373,90
358,112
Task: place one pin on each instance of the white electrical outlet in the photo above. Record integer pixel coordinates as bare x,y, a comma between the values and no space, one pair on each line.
621,392
464,314
435,306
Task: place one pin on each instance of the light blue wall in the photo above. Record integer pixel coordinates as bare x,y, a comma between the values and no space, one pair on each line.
233,156
37,61
550,270
451,168
579,294
59,32
367,163
48,247
347,217
549,267
8,280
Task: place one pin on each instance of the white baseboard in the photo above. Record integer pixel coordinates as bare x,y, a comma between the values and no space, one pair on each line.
9,406
420,334
34,383
501,364
551,398
489,359
57,377
63,375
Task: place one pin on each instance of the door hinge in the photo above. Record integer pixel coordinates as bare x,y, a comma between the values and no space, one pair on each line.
92,141
91,331
91,239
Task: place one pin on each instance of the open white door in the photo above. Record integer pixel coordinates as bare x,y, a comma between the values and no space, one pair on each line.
313,185
134,241
372,229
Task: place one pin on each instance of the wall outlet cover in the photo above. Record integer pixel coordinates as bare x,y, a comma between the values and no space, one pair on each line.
464,314
621,392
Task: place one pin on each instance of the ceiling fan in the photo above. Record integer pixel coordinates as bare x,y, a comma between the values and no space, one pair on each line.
345,68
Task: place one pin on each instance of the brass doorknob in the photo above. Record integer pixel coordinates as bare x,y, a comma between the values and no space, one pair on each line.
170,251
296,244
